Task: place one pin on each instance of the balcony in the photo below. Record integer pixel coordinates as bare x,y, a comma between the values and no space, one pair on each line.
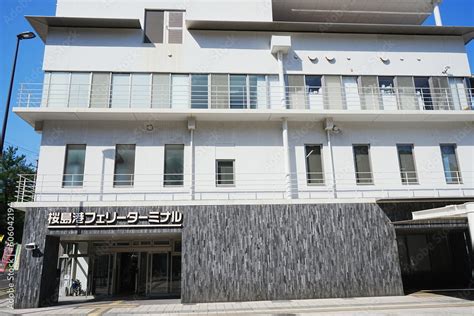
52,188
263,99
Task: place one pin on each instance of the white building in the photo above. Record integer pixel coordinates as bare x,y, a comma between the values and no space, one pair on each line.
208,109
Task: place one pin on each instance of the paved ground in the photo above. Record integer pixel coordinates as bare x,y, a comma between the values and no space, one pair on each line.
415,304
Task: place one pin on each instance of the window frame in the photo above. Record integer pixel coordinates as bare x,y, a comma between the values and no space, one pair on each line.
65,165
460,181
372,182
417,180
323,178
217,173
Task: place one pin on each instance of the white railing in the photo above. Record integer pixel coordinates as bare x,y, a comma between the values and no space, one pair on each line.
242,97
241,186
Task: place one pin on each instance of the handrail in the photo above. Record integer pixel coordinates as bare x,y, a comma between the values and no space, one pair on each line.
44,187
257,96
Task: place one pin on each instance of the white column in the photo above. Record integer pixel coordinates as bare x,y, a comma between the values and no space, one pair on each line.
331,159
286,156
437,14
191,164
281,78
470,222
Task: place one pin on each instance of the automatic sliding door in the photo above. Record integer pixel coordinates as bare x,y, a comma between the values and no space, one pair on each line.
158,282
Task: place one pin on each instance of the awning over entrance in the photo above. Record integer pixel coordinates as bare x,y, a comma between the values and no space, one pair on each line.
433,223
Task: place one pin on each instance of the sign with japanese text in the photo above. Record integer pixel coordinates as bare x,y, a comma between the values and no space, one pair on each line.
61,220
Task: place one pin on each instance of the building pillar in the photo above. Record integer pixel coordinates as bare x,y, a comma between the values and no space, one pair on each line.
437,14
286,156
470,222
281,78
191,128
331,159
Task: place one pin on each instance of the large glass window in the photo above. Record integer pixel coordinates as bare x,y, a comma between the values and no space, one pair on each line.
100,90
238,91
120,91
314,92
140,91
407,164
58,94
258,92
363,168
80,90
174,165
387,93
199,91
423,93
225,172
124,165
314,165
180,91
452,173
74,166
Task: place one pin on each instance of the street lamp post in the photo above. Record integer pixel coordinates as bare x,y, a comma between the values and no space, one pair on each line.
19,37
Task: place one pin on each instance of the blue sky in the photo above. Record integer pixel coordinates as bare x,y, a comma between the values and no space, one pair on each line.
12,12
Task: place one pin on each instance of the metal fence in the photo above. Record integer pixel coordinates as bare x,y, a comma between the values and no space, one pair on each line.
244,186
243,97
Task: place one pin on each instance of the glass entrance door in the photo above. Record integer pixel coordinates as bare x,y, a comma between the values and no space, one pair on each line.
158,274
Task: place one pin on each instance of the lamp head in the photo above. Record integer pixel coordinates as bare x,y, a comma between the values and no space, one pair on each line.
26,35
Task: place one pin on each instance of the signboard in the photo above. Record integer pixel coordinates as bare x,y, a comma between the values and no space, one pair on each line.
79,220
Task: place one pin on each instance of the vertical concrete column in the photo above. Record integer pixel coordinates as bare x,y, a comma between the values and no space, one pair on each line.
286,155
437,14
331,159
191,128
281,78
470,222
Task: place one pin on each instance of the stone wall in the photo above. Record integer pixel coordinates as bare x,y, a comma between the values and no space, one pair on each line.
274,252
247,252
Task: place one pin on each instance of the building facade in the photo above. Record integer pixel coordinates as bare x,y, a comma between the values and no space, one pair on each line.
258,150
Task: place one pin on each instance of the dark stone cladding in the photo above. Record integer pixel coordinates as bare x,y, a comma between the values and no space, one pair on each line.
247,252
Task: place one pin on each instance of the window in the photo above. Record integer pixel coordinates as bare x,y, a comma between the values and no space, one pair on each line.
100,90
199,91
313,92
452,173
423,93
120,94
363,169
407,164
124,165
314,165
79,91
387,93
238,91
258,92
163,27
174,161
225,172
180,91
140,91
74,166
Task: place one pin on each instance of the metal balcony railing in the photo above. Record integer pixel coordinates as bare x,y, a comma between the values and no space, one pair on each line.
181,97
245,186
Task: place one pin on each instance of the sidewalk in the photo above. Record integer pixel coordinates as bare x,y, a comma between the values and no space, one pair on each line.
415,304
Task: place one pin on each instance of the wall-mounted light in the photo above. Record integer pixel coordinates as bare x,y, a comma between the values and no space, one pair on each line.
31,246
313,58
330,58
